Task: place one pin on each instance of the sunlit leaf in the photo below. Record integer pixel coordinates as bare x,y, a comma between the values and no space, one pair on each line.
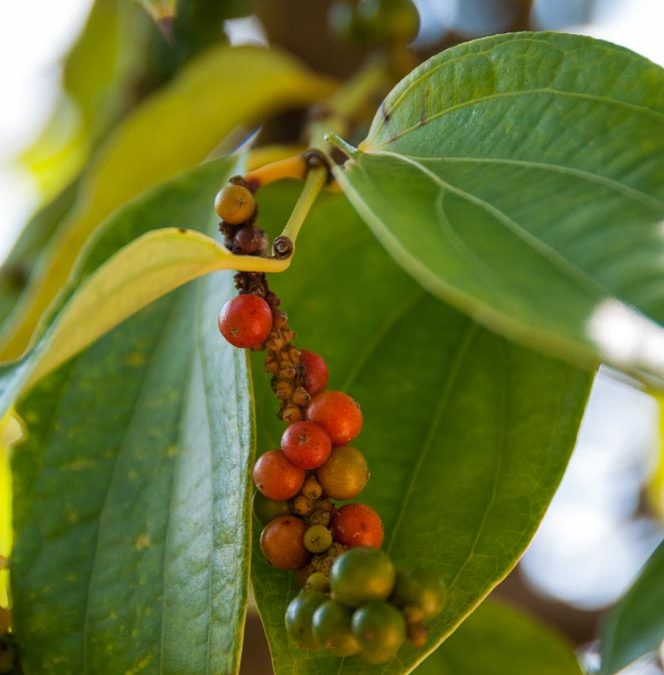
635,626
172,131
521,178
466,435
98,82
10,433
498,640
108,289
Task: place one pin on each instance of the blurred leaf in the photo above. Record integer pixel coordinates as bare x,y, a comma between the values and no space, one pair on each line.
655,489
521,178
10,433
20,264
97,81
498,640
131,492
635,626
466,435
159,10
172,131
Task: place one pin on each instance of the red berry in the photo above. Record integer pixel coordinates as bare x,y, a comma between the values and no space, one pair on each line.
315,372
276,477
338,414
282,543
306,445
245,321
358,525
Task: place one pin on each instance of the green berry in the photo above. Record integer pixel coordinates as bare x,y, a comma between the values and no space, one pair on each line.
317,539
299,615
380,629
332,629
317,582
268,509
362,575
421,592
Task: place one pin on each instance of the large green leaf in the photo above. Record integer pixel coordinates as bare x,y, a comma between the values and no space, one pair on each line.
498,640
466,435
131,509
521,178
635,626
172,131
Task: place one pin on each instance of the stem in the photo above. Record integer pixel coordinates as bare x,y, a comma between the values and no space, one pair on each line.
313,184
290,167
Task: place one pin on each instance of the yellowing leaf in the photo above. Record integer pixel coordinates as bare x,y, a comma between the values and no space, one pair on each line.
172,131
10,433
138,274
128,265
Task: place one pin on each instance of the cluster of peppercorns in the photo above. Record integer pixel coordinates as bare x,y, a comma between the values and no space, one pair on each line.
352,599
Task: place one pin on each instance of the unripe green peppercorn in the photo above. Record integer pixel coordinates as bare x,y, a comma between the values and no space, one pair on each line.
361,575
380,629
332,629
299,615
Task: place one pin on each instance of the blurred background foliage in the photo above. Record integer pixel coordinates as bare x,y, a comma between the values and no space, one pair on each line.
114,55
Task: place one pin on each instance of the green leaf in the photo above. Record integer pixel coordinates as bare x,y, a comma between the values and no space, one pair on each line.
170,132
635,626
131,510
521,178
466,434
498,640
126,267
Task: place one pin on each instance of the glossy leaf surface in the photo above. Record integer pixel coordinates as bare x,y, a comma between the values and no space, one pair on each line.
521,178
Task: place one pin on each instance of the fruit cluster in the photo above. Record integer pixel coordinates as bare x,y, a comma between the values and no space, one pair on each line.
353,600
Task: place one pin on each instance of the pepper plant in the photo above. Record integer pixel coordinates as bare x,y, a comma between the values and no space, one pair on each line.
463,237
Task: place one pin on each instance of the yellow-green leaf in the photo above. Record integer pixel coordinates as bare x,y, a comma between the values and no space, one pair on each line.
120,274
172,131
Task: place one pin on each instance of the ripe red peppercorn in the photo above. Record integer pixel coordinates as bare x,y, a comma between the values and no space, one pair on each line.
282,543
358,525
245,321
306,445
338,414
316,374
276,477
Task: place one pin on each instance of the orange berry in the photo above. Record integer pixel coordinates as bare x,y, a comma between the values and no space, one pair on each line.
234,204
316,374
282,543
358,525
245,321
276,477
306,445
338,414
